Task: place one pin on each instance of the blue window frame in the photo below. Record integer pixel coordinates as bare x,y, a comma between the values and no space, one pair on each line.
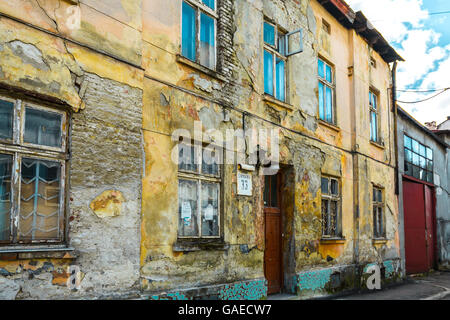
198,30
374,128
326,92
274,63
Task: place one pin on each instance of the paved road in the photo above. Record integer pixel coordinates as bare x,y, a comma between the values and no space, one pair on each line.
436,286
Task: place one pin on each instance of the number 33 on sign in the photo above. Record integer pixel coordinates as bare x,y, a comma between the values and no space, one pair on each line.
244,184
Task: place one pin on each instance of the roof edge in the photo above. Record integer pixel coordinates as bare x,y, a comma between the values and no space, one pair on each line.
422,127
345,15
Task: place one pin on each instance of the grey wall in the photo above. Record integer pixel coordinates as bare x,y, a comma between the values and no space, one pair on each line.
441,180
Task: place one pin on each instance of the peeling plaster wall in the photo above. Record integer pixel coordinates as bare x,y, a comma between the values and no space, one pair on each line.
176,94
103,97
123,211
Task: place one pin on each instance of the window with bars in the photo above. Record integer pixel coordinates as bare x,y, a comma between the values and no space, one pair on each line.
198,30
199,185
374,109
379,229
331,205
278,46
326,92
32,172
418,160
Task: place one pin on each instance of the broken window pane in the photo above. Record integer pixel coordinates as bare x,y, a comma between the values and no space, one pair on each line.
209,3
334,187
187,208
207,41
280,79
5,196
42,127
269,34
324,185
188,31
408,169
39,200
210,209
186,157
6,119
268,73
211,160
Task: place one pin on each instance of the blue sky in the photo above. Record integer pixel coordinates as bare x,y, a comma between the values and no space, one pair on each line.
423,40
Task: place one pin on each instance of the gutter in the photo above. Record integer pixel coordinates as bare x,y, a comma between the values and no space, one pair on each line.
394,106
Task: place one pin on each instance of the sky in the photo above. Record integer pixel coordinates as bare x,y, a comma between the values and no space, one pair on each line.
423,40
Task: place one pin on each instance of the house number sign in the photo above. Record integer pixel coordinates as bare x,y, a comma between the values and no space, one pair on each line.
244,184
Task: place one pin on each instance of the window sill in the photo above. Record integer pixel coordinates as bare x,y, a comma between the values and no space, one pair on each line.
278,103
18,253
379,241
333,240
378,145
183,245
212,73
329,125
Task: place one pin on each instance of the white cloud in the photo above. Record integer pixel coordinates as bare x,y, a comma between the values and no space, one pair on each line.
402,23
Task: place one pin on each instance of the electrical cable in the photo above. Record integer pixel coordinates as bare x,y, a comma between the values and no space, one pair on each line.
412,102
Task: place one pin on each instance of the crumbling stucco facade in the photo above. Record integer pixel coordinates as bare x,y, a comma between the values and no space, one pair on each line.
119,73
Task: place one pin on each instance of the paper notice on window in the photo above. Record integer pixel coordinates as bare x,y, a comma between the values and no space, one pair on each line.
209,213
186,211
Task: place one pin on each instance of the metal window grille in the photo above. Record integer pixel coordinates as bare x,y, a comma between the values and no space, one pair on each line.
331,206
32,173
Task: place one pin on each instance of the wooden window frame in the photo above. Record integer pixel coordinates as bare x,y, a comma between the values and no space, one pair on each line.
329,197
18,149
376,205
200,177
332,86
200,8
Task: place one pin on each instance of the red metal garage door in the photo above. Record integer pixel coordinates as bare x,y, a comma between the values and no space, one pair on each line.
419,227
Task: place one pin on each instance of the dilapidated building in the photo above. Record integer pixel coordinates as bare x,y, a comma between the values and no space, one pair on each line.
424,206
101,99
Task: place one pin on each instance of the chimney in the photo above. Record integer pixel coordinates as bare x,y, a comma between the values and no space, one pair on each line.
431,125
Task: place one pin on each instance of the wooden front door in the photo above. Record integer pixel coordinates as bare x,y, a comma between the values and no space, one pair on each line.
419,218
272,253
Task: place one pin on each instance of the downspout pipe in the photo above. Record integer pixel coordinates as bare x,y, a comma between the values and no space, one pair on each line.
394,106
